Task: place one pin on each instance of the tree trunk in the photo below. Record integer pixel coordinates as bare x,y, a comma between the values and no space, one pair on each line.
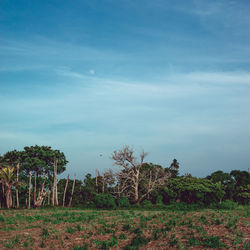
29,189
65,190
73,187
54,183
136,186
3,192
41,196
17,177
103,183
136,193
49,196
96,179
13,198
118,189
56,196
8,197
35,189
150,181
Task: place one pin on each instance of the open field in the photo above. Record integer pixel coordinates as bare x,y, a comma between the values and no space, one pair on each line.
128,229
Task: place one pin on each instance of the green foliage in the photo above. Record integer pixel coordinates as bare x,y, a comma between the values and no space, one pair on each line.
107,243
173,240
228,204
212,242
220,176
123,202
146,203
84,247
159,200
70,229
45,233
232,222
2,219
12,242
137,242
122,236
189,189
125,227
28,242
104,201
182,206
192,241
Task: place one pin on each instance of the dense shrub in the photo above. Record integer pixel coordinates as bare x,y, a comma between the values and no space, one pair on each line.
228,204
182,206
159,200
146,203
105,201
123,202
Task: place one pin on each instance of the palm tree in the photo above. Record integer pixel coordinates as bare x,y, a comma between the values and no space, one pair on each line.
8,179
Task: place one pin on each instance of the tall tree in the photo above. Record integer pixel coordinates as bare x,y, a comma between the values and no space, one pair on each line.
13,158
174,168
39,160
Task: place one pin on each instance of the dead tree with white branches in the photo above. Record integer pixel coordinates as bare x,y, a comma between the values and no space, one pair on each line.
133,173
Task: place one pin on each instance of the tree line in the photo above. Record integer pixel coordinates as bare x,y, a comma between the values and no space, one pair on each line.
29,178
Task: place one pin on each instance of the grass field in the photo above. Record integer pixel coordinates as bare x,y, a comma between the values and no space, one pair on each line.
124,229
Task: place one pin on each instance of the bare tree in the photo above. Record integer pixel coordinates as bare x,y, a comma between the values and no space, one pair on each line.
153,176
72,192
65,190
129,178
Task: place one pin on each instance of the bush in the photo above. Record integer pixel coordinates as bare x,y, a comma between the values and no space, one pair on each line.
159,200
104,201
146,203
213,242
228,204
182,206
122,202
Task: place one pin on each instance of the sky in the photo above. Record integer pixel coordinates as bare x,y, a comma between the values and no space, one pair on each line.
90,76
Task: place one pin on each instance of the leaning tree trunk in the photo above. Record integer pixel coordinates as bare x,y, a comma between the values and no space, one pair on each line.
29,189
73,187
17,176
65,190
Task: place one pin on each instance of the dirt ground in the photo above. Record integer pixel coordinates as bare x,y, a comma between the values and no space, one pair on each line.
62,228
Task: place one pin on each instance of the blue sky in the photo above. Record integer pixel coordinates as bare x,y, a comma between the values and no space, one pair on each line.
88,76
